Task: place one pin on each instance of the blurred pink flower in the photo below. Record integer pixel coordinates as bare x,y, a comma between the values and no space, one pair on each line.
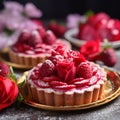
15,6
13,19
32,11
74,19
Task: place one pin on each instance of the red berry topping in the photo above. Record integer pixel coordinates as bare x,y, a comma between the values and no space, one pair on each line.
4,69
18,47
47,68
41,84
76,80
71,73
38,22
49,38
35,38
95,19
109,57
51,78
82,83
84,70
93,81
24,37
57,83
65,87
57,28
41,31
87,32
76,56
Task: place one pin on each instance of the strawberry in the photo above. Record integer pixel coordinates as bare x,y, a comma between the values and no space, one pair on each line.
95,19
35,75
51,78
58,28
82,83
35,38
4,69
87,32
53,26
50,37
38,22
104,33
41,31
26,47
108,57
76,80
84,70
18,47
39,50
114,26
93,81
57,83
47,68
65,87
60,31
41,84
115,34
24,37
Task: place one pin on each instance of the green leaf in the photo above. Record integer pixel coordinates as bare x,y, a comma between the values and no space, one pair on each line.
8,32
18,101
89,13
13,76
107,44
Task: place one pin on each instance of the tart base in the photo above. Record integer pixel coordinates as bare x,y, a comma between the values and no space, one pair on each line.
112,91
31,60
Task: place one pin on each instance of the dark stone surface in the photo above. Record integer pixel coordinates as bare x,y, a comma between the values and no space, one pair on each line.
109,111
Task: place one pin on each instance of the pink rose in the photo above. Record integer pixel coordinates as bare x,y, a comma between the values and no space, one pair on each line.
91,50
8,92
66,70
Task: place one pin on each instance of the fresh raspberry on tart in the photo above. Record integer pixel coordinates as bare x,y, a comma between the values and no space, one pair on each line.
35,46
66,77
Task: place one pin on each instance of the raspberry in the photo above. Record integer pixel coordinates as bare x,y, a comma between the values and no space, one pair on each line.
47,68
108,57
38,22
24,37
26,47
18,47
50,37
41,31
4,69
35,38
35,75
53,26
58,28
84,70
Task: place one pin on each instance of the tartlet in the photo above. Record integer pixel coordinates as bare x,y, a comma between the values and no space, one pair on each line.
66,79
34,47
